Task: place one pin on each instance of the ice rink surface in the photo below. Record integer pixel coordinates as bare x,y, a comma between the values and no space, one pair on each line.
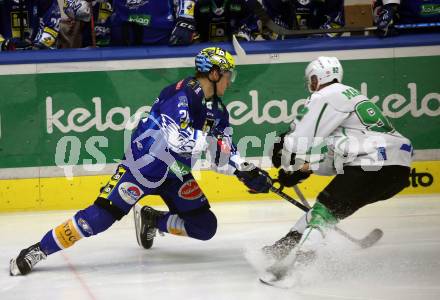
405,264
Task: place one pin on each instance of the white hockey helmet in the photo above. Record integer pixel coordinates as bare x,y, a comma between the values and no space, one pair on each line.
326,69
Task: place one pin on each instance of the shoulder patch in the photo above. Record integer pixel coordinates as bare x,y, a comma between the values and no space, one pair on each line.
195,86
192,82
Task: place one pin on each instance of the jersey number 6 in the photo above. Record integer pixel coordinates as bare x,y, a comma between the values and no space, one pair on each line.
371,116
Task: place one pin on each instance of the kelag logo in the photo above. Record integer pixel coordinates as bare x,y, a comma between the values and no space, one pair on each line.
423,179
256,111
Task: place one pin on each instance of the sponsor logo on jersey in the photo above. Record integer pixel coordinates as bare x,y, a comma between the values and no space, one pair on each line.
183,101
179,168
85,226
190,190
130,192
235,7
204,9
381,153
107,189
143,20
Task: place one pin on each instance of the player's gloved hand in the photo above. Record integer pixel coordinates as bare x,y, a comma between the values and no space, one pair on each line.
78,10
254,178
333,23
289,179
386,18
7,45
277,152
102,35
183,33
244,33
47,39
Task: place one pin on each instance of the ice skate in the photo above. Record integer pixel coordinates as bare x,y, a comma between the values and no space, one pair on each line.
281,248
145,222
26,260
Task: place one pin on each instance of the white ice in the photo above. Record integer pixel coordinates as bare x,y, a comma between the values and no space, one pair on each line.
405,264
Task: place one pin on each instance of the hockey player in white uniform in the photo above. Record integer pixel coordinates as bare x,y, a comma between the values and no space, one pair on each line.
360,146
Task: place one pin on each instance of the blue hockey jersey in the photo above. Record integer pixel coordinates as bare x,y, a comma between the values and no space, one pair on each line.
144,22
217,20
100,11
417,11
40,23
181,126
303,14
154,14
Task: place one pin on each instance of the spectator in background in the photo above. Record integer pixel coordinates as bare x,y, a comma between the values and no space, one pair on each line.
303,14
144,22
92,32
218,20
29,24
388,13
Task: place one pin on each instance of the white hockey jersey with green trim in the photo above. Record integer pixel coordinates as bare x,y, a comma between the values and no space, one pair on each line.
351,127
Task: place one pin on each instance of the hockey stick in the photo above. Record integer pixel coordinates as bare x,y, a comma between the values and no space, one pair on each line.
366,242
92,26
301,196
238,48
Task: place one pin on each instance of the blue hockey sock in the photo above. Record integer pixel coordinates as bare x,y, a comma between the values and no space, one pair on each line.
201,225
84,223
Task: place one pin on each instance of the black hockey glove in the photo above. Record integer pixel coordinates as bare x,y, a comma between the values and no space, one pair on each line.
244,33
13,44
386,18
289,179
254,178
277,152
183,33
334,22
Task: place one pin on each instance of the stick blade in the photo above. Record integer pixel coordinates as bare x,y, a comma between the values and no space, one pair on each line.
238,48
371,238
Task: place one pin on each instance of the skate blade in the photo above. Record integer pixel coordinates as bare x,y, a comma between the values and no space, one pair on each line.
137,223
13,268
281,283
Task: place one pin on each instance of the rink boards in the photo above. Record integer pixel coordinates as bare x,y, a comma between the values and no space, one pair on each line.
61,193
72,108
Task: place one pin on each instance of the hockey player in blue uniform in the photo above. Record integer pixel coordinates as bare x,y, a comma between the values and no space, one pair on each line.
185,119
29,24
83,11
143,22
387,13
304,14
218,20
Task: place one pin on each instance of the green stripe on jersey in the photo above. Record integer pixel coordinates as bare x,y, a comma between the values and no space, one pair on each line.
319,118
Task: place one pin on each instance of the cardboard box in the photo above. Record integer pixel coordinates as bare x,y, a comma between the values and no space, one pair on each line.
359,15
